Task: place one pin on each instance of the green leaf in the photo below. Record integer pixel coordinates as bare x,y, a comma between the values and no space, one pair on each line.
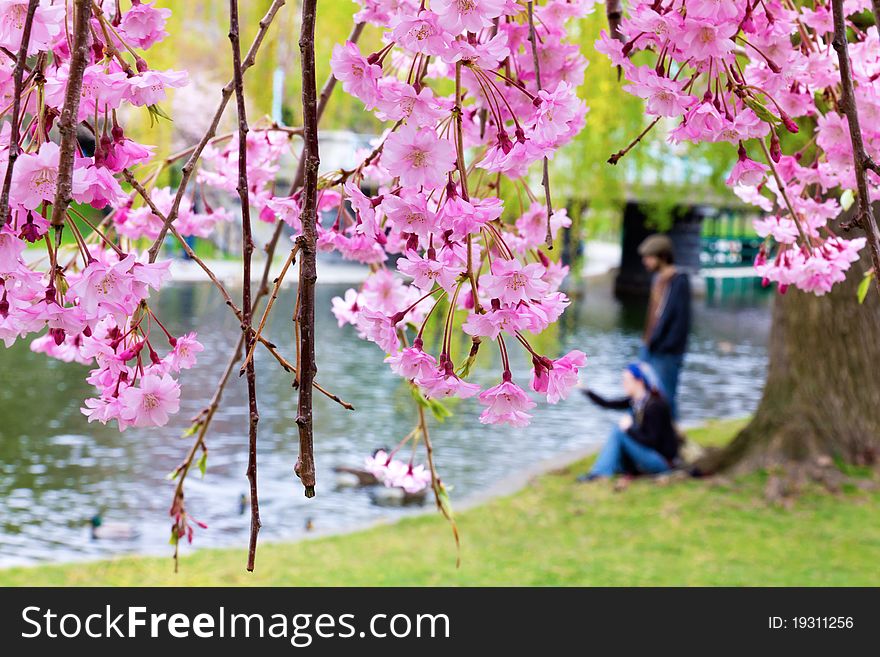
157,113
191,430
203,463
761,110
442,496
865,286
438,410
171,476
174,538
847,199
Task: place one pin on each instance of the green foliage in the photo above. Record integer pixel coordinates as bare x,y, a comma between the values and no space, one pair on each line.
438,410
557,532
865,286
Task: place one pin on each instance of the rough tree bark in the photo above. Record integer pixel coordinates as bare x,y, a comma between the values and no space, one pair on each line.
305,318
822,397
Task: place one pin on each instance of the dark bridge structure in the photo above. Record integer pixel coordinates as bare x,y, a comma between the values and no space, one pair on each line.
715,242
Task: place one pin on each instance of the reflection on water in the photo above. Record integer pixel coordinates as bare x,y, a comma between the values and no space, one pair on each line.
56,470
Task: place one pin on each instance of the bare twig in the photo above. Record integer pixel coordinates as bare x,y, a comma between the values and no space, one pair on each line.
860,158
614,159
275,288
247,250
15,133
203,421
305,464
545,177
69,113
226,94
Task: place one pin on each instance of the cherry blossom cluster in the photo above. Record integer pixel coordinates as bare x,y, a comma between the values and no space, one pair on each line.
90,300
423,207
745,72
395,473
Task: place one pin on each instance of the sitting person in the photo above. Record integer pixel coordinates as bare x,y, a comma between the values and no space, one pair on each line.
645,441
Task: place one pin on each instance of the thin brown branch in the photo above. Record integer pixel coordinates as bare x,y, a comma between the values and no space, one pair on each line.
227,298
203,421
545,175
247,250
614,159
275,288
860,158
79,55
305,464
437,485
15,133
326,92
226,94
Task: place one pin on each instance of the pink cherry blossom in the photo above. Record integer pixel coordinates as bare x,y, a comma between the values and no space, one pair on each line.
418,157
506,403
35,176
747,172
48,24
150,403
412,363
150,87
144,24
557,377
467,15
512,282
358,77
183,355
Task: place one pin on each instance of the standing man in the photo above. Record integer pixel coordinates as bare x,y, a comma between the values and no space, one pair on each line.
669,315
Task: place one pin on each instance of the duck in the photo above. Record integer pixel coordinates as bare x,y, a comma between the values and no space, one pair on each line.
393,496
111,531
353,477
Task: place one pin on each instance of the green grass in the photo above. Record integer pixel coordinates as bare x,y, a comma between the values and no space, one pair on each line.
558,532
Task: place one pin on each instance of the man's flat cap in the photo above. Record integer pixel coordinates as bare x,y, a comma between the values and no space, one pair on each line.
656,245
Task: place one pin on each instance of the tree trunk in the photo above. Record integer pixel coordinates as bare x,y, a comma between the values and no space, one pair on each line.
821,402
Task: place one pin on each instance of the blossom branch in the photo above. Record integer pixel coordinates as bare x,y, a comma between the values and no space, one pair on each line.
15,133
848,106
545,177
305,317
67,125
226,94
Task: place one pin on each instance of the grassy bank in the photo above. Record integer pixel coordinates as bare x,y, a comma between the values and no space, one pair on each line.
558,532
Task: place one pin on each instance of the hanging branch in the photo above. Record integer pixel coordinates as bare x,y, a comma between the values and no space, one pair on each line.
206,415
545,180
79,53
226,94
861,161
15,133
247,250
305,317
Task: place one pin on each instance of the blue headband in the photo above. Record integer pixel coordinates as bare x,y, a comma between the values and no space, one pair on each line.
639,374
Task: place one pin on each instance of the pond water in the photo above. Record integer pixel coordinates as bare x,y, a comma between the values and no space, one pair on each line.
57,471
